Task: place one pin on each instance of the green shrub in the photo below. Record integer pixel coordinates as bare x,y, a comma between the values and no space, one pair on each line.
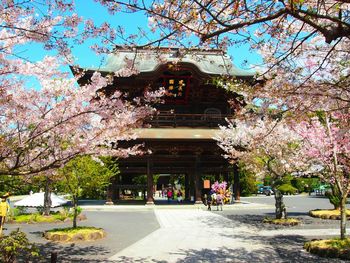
15,212
334,196
79,210
15,246
39,218
299,184
287,189
332,248
247,181
40,209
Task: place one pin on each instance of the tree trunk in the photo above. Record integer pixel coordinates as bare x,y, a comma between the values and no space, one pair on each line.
47,198
236,183
279,204
75,211
334,197
343,217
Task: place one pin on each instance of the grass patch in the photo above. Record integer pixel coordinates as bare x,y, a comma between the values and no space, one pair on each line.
70,234
334,248
327,213
70,230
38,218
282,221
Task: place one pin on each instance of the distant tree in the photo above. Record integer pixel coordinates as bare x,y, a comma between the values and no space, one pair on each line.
84,172
327,141
266,147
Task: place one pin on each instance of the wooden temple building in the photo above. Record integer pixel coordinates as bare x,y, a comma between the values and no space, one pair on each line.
180,135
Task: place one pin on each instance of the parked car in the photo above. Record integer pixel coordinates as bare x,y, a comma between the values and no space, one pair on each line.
266,190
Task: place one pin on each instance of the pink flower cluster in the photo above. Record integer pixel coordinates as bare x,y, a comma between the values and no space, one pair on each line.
216,187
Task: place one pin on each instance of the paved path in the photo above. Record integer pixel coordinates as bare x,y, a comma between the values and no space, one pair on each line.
202,236
188,233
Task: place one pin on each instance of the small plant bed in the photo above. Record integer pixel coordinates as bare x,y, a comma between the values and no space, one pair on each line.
75,234
39,218
333,248
328,214
282,221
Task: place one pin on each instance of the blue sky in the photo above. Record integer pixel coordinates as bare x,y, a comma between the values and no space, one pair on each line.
90,10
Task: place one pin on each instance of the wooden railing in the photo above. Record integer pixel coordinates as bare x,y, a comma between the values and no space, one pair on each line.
169,119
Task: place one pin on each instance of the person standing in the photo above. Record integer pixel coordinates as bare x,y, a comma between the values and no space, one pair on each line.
169,194
4,208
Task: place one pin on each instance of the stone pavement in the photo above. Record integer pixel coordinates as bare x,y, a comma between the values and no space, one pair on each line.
190,233
202,236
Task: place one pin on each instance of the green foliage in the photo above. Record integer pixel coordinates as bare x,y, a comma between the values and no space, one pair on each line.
79,210
334,196
287,189
73,230
84,177
211,178
40,209
305,184
18,185
20,210
300,184
282,221
142,179
179,178
247,182
267,180
39,218
331,248
74,234
15,246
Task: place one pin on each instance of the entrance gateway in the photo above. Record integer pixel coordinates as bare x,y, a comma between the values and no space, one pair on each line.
180,135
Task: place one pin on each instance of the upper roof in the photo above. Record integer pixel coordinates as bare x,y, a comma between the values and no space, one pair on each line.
213,61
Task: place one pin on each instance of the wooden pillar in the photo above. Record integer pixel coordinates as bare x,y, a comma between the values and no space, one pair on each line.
116,187
198,182
226,176
109,198
150,200
187,188
236,184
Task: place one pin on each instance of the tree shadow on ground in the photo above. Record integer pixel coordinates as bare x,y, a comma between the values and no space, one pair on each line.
283,249
256,221
73,252
131,259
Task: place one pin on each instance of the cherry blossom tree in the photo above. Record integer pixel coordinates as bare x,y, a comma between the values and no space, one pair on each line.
208,19
327,142
44,129
45,124
267,147
46,119
304,44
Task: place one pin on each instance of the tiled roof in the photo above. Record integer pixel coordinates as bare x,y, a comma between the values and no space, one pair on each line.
213,62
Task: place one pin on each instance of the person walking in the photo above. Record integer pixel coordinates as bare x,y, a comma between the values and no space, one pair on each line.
209,201
179,196
219,200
